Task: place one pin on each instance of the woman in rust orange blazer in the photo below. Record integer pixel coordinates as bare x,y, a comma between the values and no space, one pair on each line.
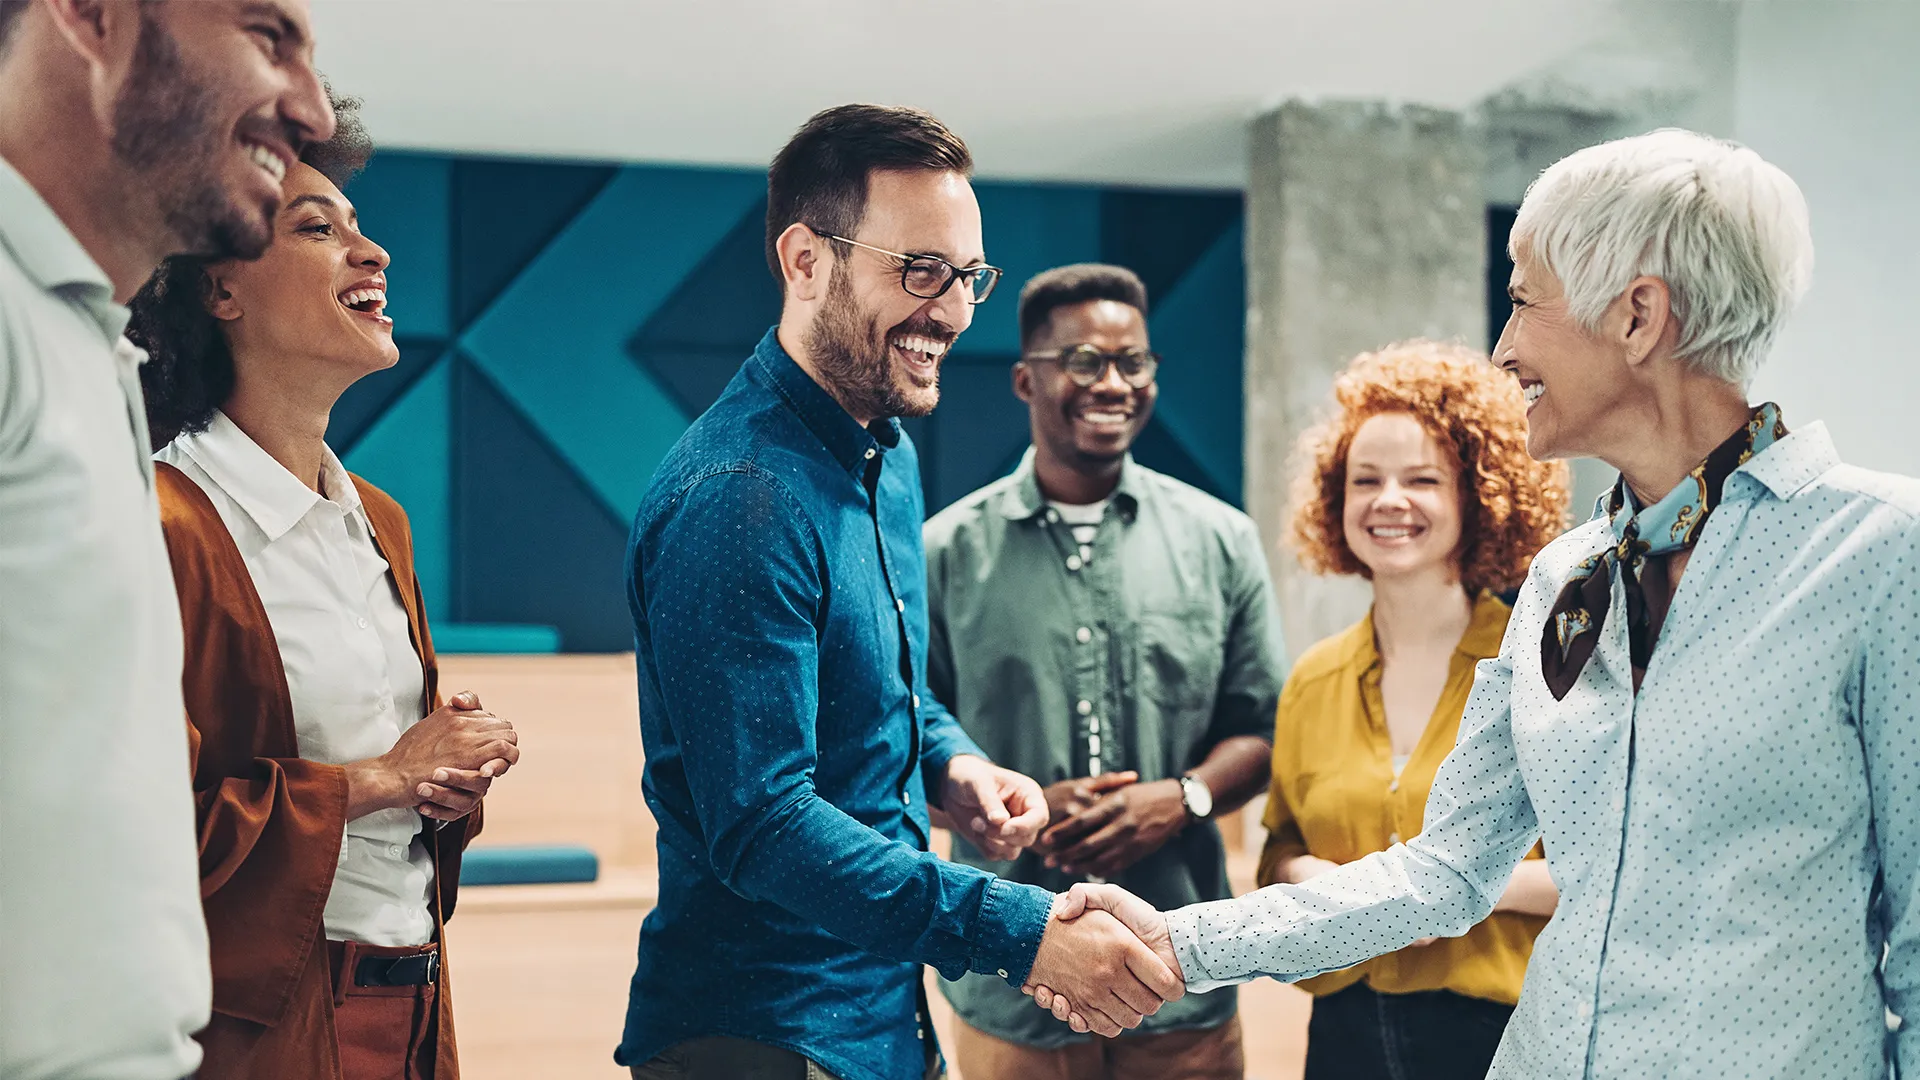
335,793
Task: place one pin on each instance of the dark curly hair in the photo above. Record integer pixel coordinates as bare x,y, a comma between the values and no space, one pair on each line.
1510,504
189,369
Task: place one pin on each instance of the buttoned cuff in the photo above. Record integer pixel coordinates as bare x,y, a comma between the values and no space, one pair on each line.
941,747
1006,936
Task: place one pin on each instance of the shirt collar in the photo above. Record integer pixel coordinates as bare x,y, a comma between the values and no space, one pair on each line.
1022,499
1791,463
273,497
849,443
1783,468
50,255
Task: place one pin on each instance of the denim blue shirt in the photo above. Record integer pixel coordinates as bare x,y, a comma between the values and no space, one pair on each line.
778,588
1737,845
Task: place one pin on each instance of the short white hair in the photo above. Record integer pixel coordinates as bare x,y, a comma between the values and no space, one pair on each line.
1724,229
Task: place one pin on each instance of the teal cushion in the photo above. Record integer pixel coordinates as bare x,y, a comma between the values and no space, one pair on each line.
528,864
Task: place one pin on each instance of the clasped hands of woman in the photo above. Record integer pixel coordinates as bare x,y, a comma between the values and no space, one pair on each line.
441,766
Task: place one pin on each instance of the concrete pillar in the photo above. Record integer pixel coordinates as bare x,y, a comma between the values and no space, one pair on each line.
1365,225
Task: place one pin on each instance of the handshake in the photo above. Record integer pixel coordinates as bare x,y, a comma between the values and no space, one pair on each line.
1106,961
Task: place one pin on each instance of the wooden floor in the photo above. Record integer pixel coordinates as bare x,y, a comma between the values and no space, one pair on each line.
540,971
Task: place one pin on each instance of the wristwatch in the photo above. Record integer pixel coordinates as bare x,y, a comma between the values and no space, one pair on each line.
1197,797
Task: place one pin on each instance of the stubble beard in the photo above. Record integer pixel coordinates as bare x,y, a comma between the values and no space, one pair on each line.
852,355
164,131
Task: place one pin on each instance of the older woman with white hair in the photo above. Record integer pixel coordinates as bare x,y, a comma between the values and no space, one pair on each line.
1708,697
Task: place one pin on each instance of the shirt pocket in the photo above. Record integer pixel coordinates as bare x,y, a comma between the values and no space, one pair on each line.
1180,652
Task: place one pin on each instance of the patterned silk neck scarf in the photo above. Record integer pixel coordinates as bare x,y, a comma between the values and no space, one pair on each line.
1672,524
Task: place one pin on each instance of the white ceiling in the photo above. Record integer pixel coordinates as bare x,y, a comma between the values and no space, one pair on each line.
1121,91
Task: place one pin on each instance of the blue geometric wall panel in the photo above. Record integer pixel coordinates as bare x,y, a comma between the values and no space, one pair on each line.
555,338
695,341
408,451
406,205
508,211
552,555
1198,326
561,323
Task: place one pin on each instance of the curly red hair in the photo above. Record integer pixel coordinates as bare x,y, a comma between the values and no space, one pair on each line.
1510,504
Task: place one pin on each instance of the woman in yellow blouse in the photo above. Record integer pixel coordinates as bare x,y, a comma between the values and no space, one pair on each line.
1421,483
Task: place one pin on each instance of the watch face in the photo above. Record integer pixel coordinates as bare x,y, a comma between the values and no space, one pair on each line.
1198,796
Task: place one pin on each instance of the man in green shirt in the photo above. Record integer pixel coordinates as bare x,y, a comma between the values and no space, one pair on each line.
1111,632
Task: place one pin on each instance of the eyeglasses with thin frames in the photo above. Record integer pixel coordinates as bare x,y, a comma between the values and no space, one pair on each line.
930,276
1086,365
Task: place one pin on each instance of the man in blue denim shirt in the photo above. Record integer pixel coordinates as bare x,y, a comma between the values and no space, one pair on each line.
778,588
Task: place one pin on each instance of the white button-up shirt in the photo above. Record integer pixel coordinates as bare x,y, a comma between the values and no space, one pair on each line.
352,673
103,949
1736,846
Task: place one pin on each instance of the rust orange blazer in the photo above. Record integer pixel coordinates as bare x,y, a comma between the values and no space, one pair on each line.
270,822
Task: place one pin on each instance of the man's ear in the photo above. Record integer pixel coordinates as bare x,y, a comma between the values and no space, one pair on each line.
220,301
1023,381
803,265
101,33
1648,312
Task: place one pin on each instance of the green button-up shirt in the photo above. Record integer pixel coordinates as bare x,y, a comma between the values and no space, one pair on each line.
1161,644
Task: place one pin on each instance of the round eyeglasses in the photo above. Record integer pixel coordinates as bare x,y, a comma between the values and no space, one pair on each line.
1086,365
930,276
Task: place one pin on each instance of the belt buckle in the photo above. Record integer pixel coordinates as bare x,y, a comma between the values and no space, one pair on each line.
399,970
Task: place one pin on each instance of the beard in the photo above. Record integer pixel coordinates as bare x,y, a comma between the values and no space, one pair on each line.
164,128
853,356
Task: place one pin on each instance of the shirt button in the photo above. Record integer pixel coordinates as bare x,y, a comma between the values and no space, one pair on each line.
1093,723
363,624
1002,973
1053,515
899,605
906,798
1093,767
1083,635
916,701
1085,707
870,452
1073,562
1393,838
394,850
1394,786
1093,745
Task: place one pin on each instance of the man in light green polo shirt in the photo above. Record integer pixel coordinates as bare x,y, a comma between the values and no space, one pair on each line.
1111,632
128,132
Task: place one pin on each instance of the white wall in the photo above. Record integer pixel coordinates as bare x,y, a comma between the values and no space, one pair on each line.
1830,92
1106,91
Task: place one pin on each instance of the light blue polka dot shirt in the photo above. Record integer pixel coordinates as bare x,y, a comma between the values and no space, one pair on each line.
1736,847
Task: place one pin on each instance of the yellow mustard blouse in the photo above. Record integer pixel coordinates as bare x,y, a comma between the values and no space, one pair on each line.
1335,796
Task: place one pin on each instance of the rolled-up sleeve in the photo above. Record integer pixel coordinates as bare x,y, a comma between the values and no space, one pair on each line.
1254,662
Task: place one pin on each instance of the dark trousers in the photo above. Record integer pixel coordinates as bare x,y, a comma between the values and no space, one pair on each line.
1358,1034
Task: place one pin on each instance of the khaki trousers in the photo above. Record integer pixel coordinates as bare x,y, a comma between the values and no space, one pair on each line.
719,1057
1206,1054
